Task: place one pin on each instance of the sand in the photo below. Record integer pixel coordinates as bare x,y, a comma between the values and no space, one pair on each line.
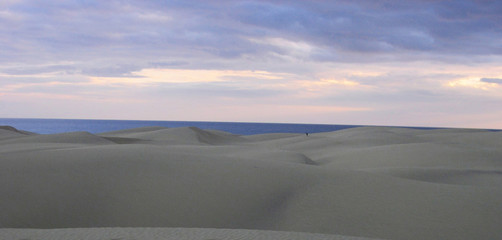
163,234
189,183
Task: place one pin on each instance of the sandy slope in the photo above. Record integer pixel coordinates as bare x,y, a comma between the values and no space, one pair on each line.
162,234
378,182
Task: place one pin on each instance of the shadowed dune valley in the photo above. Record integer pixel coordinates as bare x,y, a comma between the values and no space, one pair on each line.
190,183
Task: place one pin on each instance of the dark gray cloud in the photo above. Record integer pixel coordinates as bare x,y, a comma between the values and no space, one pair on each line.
492,80
157,31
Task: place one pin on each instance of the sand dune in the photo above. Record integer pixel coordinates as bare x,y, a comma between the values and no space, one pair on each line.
71,137
12,129
8,132
185,135
374,182
491,178
163,234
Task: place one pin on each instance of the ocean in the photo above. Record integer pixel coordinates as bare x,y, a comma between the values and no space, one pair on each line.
49,126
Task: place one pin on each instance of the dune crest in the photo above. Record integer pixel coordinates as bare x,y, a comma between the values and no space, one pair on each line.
7,132
183,135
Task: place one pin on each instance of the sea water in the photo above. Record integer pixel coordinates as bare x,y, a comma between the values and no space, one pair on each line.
48,126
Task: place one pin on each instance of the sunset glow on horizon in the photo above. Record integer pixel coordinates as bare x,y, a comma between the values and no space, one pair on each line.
406,63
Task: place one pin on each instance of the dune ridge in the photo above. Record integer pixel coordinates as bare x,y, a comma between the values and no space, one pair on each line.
370,182
183,135
7,132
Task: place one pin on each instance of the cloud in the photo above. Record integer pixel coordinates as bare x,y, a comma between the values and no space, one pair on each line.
294,50
382,26
492,80
117,30
32,70
168,64
79,90
149,77
214,90
119,70
378,53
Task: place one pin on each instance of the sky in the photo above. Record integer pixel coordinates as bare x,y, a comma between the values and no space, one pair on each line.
364,62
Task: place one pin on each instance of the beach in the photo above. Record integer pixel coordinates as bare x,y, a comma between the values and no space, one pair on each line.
191,183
